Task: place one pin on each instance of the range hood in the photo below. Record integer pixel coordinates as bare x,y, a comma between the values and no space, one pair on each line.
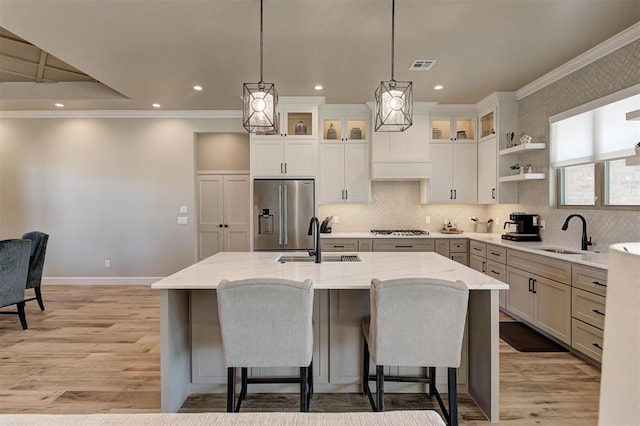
401,170
403,156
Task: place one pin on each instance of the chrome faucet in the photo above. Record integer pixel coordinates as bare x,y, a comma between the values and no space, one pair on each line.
318,250
585,242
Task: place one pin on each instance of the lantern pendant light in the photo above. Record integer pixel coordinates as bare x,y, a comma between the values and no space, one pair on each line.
260,102
394,99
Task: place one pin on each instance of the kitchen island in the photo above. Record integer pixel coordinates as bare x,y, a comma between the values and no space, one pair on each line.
191,353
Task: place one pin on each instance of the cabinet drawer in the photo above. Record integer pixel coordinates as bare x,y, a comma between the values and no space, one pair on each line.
403,245
478,263
588,307
459,246
497,270
586,339
497,253
442,247
477,248
460,258
340,245
589,279
547,267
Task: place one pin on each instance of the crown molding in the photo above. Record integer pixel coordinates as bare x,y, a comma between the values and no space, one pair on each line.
123,114
614,43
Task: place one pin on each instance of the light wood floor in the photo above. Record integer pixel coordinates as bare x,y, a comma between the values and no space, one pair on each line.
96,349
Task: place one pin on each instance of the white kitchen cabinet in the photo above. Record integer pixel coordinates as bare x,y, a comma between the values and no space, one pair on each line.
453,127
454,173
344,155
223,214
498,116
293,151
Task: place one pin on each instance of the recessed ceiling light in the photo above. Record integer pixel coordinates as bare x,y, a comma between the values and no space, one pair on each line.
59,105
318,87
197,87
155,105
439,87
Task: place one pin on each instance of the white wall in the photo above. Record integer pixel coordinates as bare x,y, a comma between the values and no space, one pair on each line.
103,189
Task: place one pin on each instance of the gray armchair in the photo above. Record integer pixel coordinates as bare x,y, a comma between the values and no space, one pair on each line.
36,263
14,264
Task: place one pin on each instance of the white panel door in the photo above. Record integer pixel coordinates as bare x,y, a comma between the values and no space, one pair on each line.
300,157
487,172
210,215
356,172
441,182
465,173
236,213
331,172
267,157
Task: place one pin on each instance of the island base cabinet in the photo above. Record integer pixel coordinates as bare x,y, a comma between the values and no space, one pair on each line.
519,300
207,358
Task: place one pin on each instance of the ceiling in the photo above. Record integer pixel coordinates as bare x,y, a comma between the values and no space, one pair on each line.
138,52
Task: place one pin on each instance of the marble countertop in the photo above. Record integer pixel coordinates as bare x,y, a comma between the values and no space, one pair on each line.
583,257
208,273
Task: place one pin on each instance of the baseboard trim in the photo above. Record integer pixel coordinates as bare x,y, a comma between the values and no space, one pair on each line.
100,280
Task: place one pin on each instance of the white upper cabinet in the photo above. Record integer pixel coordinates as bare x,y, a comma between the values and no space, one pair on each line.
293,151
344,154
454,173
453,127
498,120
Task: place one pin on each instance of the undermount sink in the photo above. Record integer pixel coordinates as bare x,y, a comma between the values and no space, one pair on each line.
284,258
560,250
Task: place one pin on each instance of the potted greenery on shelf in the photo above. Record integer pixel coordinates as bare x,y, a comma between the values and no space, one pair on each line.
515,169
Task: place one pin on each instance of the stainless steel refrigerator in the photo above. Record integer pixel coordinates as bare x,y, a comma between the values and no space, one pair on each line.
282,209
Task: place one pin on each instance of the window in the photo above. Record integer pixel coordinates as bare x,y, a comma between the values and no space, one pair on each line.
588,148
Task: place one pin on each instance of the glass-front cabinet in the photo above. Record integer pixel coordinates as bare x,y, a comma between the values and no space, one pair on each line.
453,127
487,125
344,128
298,121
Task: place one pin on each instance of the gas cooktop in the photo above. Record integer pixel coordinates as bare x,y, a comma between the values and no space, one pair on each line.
399,232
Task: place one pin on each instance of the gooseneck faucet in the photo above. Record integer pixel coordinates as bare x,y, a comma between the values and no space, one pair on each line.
585,241
318,250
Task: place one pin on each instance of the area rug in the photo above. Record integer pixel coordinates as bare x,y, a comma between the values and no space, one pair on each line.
525,339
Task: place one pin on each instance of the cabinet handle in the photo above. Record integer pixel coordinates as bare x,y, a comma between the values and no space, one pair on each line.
597,346
494,253
599,283
495,272
338,246
534,285
285,168
220,226
530,279
451,194
595,311
493,193
397,246
455,194
226,225
477,249
346,194
281,167
484,270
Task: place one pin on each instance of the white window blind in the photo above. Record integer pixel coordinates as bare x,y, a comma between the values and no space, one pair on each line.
597,131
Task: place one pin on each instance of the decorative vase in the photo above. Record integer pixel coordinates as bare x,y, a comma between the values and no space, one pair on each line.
301,128
356,133
331,132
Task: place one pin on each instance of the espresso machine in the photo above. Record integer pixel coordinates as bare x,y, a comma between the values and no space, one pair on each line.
526,227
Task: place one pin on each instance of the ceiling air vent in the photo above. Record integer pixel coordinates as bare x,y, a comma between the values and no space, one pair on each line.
422,65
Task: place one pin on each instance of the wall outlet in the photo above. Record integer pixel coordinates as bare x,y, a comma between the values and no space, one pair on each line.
182,220
184,209
427,219
336,219
107,263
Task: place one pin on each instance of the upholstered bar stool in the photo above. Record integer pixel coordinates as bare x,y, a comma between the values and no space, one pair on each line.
415,322
266,323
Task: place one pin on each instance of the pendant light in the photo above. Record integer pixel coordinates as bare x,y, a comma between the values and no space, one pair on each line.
394,99
260,102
